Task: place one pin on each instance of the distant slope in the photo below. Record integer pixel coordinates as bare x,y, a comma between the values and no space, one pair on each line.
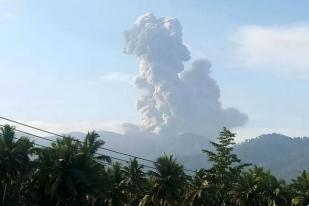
285,156
154,146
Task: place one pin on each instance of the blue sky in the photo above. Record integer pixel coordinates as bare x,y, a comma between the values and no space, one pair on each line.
62,65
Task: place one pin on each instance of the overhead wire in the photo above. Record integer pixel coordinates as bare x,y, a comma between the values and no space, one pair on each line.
63,136
54,141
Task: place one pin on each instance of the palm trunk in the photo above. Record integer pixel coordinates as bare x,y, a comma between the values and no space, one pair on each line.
4,193
19,191
92,200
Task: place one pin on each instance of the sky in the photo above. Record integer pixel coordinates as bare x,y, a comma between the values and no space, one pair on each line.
63,68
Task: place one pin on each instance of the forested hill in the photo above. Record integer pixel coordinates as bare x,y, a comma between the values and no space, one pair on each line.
285,156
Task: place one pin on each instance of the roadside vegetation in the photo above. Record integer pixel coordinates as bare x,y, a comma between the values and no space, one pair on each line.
72,173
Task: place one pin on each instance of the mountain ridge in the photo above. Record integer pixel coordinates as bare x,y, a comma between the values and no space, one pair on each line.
284,156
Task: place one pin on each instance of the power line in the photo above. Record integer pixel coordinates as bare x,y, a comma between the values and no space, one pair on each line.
104,148
44,146
105,163
54,141
62,136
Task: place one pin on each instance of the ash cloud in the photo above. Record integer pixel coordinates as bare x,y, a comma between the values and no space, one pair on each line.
171,99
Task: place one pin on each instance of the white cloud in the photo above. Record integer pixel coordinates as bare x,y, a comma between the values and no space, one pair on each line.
282,50
116,76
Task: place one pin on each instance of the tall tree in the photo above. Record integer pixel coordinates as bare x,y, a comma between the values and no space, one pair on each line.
68,171
199,191
116,192
169,181
226,167
134,181
300,190
14,163
257,187
91,145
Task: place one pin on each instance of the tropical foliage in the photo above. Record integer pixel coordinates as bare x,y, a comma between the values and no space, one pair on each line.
72,173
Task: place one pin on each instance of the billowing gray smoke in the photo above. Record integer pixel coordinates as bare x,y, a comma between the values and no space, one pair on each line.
173,100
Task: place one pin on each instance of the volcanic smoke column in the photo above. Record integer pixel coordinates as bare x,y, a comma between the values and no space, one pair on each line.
173,100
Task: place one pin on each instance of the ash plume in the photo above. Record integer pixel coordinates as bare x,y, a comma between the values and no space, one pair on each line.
173,100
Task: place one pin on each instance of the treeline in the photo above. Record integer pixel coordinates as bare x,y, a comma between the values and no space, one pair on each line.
72,173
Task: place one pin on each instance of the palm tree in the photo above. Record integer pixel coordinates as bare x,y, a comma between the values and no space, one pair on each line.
14,160
134,181
89,149
169,182
275,191
67,172
91,145
248,190
300,190
36,189
116,193
199,191
257,187
64,173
